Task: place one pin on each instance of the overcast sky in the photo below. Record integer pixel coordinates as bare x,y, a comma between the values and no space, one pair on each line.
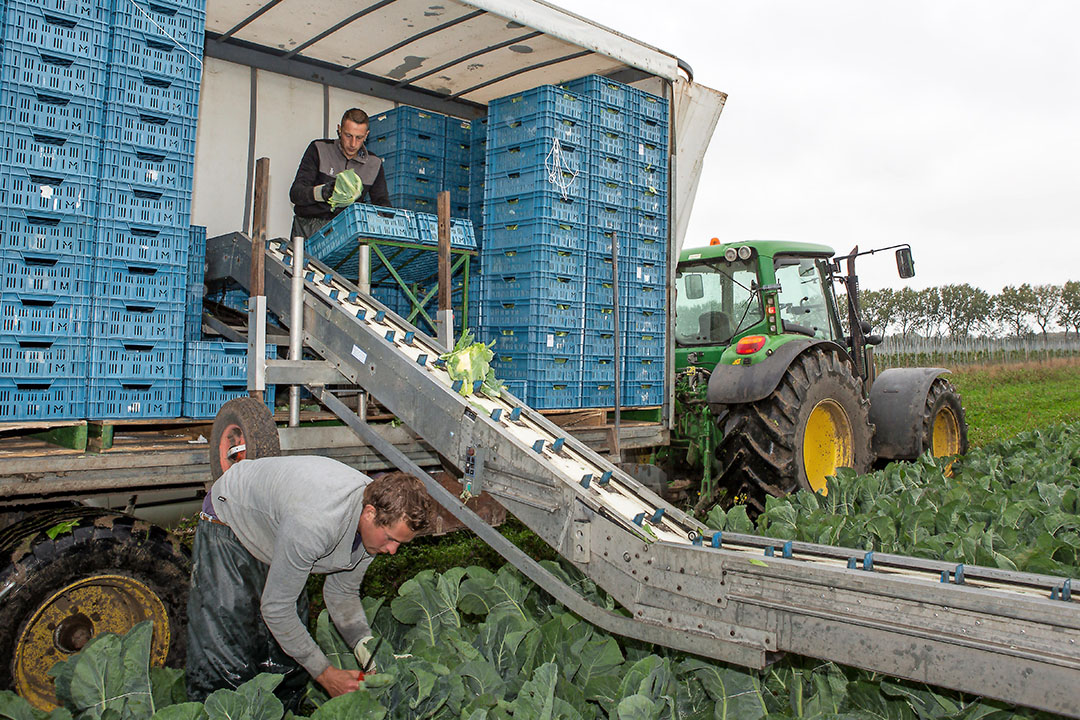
953,126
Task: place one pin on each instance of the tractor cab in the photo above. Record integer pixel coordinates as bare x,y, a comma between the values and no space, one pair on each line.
737,303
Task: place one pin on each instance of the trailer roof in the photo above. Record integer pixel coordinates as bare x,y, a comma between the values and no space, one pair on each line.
433,53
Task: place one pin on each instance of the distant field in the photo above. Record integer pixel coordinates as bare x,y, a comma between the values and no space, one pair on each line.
1003,400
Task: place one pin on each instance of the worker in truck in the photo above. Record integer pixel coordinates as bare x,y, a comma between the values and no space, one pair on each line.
322,161
266,525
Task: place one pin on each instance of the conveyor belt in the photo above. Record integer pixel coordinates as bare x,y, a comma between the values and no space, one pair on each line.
740,598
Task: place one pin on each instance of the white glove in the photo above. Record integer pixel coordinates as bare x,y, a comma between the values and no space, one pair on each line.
363,654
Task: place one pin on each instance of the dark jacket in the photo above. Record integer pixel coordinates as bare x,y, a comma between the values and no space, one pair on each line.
321,163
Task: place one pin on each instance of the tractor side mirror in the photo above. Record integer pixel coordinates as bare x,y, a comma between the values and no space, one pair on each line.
904,264
695,289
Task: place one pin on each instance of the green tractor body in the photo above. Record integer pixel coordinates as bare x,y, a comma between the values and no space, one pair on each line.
775,382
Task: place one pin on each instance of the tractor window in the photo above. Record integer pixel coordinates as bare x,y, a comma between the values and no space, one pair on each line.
803,296
714,301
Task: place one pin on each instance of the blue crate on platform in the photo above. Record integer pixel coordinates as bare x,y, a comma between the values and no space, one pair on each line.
604,167
79,11
537,155
193,308
30,357
543,99
426,186
140,128
651,107
533,285
652,225
538,367
147,168
612,118
517,235
165,21
598,393
48,192
601,316
649,131
548,340
517,388
47,151
44,315
649,200
554,395
649,153
136,319
597,367
458,139
196,255
537,312
29,273
410,163
144,205
216,372
203,400
642,368
642,394
597,343
406,118
24,230
28,26
606,90
42,398
165,248
338,239
515,183
151,53
535,258
136,359
541,205
140,282
51,112
609,218
506,130
117,398
461,231
27,68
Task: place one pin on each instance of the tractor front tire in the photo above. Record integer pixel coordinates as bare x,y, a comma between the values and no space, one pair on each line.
244,429
100,573
815,421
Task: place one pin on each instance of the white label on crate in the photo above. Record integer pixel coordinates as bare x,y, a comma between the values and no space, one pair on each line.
639,272
422,171
641,149
551,341
359,354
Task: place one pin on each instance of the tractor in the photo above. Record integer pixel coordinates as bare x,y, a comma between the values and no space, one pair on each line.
775,389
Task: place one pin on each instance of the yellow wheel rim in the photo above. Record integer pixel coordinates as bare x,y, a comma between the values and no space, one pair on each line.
945,436
64,623
827,444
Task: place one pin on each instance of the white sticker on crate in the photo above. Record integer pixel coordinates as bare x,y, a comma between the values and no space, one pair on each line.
551,341
359,354
641,149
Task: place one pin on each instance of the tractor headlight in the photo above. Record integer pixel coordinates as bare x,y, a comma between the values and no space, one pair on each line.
744,252
731,254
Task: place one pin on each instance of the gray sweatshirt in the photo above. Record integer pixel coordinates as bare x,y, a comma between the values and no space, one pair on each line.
300,515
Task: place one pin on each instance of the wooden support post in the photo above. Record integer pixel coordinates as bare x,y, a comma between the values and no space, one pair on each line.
258,240
445,315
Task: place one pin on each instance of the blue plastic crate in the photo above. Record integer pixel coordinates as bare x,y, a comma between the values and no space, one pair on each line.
116,398
136,359
93,11
219,360
406,118
457,174
136,320
29,26
515,183
165,21
28,68
143,205
517,388
604,167
555,395
163,248
28,357
651,296
23,230
643,369
612,118
609,218
414,203
460,195
598,367
543,127
643,394
601,316
137,90
204,399
537,367
535,206
533,233
154,54
537,312
461,231
609,192
567,158
27,272
603,89
549,340
46,151
142,282
408,163
650,201
653,225
44,315
51,112
645,248
535,285
599,291
48,192
649,130
140,128
146,167
638,344
648,153
598,394
427,186
458,139
535,258
616,143
647,177
338,238
196,256
42,398
547,99
651,106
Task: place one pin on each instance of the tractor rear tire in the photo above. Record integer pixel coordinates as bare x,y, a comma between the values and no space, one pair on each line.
106,573
244,429
815,421
944,426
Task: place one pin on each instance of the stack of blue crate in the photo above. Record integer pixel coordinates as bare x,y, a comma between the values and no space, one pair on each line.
215,372
140,275
628,205
458,173
55,57
477,171
536,199
196,287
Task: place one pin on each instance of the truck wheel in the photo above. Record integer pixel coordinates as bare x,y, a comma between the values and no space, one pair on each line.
944,427
105,574
244,429
816,421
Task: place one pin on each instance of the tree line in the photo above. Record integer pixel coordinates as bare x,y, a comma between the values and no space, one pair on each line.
960,311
